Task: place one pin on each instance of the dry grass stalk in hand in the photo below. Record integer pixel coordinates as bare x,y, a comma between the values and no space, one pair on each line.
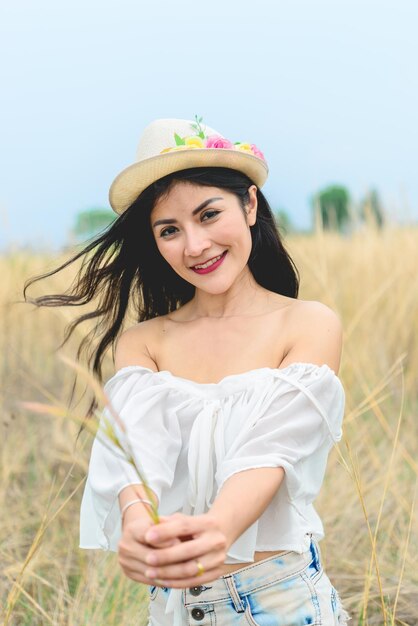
103,425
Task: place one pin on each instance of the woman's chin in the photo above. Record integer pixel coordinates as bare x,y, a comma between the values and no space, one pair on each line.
218,285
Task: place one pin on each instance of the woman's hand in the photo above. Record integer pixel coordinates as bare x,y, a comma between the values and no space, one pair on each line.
133,549
197,538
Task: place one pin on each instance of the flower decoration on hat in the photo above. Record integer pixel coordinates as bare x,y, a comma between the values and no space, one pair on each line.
202,141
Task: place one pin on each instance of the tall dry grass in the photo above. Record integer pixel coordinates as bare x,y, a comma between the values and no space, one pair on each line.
367,503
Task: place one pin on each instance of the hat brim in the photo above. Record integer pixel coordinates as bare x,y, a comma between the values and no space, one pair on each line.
134,179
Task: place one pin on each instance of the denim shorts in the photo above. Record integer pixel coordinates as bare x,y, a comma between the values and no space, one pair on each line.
288,589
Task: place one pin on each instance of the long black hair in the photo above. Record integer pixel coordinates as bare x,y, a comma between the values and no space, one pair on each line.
123,265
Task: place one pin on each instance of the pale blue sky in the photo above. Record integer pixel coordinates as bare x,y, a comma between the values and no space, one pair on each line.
328,90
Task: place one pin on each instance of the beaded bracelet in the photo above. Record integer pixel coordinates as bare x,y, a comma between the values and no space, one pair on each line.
128,504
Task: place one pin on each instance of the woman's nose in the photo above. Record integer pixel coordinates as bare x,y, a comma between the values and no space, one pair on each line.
196,243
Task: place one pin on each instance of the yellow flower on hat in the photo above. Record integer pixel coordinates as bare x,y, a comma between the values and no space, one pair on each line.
194,142
244,147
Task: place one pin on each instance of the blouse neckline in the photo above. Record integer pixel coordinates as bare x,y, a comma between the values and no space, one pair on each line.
230,377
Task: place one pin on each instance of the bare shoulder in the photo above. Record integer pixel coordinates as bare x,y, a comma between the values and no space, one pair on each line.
311,312
133,345
315,334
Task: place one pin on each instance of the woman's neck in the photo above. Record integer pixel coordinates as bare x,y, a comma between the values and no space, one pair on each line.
246,297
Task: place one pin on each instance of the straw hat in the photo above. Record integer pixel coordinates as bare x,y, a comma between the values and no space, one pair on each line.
170,145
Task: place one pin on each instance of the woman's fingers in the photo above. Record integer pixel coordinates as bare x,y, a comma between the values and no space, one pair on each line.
136,557
182,552
176,544
137,532
179,525
188,569
177,566
133,550
133,574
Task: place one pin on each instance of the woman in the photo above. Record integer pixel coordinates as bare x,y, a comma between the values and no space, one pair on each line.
228,388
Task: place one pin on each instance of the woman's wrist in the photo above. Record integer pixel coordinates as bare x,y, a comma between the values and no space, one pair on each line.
136,511
131,503
218,520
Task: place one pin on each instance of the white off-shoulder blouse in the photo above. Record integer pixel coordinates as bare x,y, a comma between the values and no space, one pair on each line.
190,437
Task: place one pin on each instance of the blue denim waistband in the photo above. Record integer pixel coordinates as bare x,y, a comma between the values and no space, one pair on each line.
242,582
253,577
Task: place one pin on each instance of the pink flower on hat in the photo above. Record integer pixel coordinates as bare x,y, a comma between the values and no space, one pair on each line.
251,148
257,152
216,141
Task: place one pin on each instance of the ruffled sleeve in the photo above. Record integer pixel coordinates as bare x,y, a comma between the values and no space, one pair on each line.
293,427
152,429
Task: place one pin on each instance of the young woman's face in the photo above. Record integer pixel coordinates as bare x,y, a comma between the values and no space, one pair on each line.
194,225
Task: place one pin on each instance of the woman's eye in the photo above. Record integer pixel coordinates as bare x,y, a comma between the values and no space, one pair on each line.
166,232
210,214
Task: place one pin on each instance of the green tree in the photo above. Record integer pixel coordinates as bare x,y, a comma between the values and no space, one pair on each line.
371,209
90,222
333,204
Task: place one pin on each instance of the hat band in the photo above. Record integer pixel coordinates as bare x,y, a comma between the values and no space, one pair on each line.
212,141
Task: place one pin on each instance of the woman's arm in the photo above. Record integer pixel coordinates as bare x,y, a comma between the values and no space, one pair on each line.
316,334
244,498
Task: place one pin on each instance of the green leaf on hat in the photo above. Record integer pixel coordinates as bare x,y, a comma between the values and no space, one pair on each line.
197,127
179,140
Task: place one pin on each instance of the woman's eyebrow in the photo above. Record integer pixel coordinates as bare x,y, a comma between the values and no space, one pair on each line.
196,210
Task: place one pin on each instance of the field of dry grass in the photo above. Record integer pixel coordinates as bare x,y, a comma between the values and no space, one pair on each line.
367,501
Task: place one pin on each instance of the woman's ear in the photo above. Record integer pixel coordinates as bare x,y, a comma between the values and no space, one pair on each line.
251,207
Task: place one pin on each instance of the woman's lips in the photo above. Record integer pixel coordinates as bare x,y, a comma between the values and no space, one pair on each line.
211,268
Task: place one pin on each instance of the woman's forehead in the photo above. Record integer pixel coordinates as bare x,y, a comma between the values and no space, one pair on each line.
186,197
